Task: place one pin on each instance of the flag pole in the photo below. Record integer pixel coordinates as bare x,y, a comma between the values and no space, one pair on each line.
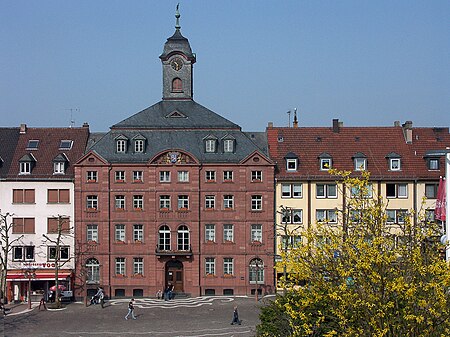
446,205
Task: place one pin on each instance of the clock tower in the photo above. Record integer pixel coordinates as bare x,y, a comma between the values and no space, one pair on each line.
177,66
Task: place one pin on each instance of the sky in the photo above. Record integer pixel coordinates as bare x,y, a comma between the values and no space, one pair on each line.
367,63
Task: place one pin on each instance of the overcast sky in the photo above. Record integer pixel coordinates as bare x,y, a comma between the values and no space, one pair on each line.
367,63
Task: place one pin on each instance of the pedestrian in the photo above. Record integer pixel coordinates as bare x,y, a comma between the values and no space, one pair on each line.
235,316
102,298
42,302
159,294
131,309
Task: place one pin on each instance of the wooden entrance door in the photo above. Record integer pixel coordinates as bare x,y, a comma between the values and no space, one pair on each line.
174,275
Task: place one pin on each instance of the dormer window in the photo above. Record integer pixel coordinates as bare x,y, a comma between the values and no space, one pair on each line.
121,144
210,144
360,161
139,143
32,144
325,162
433,164
228,144
25,167
291,162
59,164
26,164
65,144
394,160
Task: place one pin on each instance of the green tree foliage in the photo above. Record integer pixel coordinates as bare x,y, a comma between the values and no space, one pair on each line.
365,277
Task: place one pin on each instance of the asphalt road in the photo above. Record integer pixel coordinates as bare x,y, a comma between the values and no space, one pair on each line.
191,317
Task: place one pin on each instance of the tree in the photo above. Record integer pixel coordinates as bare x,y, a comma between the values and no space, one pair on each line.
62,231
367,277
6,246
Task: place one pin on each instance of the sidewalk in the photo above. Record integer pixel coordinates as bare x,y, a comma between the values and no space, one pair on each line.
19,308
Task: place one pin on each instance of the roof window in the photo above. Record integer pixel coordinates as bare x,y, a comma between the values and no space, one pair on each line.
32,144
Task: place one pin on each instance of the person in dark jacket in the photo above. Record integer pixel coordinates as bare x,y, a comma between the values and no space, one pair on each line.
131,309
235,316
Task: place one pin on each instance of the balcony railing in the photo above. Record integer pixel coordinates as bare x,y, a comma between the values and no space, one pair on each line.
173,252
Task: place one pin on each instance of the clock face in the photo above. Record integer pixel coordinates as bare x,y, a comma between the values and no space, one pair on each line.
176,63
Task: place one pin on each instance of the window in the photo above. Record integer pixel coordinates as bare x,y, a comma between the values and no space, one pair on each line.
360,164
430,215
120,202
326,191
291,190
256,271
139,145
365,192
23,226
210,145
138,176
431,191
210,176
256,233
228,145
119,176
210,233
120,233
138,202
120,266
256,202
138,233
433,164
32,144
164,238
325,164
164,202
25,253
183,176
292,216
59,167
56,224
121,145
256,175
92,202
210,201
210,266
396,216
138,266
394,164
25,167
228,201
183,238
228,233
63,253
326,215
93,271
91,176
291,164
396,190
227,176
23,196
92,233
55,196
183,202
228,266
164,176
290,241
65,144
177,85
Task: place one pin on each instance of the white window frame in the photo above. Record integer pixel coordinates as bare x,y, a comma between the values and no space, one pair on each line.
139,146
210,266
92,202
228,145
228,233
92,176
92,233
401,191
256,203
119,176
210,232
210,201
59,167
183,176
228,266
256,233
210,175
138,266
256,175
119,233
138,176
138,232
121,146
25,167
210,145
164,176
119,202
120,267
164,238
138,201
328,214
227,175
291,164
183,202
360,164
183,238
164,201
326,191
326,164
433,164
395,164
228,201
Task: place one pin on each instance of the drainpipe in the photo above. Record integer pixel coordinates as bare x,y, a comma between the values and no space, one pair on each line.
109,230
199,240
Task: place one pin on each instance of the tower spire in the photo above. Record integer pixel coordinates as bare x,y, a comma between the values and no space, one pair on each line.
177,16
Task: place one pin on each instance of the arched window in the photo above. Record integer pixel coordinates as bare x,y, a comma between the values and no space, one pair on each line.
164,238
93,271
177,85
183,238
256,271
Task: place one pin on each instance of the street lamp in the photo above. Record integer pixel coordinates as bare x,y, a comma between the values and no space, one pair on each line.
30,274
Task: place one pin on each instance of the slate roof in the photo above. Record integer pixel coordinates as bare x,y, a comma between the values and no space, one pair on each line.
47,151
376,143
158,115
8,142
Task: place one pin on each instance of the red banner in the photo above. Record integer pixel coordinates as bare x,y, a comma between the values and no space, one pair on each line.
440,201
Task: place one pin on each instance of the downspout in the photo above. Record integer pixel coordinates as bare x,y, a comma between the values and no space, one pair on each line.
309,204
199,240
109,230
415,202
275,279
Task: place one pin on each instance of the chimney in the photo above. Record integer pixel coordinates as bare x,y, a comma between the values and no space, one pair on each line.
23,128
396,123
295,124
408,132
336,125
270,125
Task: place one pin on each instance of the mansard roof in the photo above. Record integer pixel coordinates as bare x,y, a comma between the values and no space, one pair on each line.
161,116
378,144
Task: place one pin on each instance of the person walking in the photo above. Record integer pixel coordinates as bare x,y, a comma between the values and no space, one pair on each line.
102,298
235,316
131,309
42,302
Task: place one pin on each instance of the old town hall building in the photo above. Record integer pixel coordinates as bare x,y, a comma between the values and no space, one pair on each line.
175,194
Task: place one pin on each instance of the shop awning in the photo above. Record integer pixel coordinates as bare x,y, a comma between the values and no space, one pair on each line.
41,275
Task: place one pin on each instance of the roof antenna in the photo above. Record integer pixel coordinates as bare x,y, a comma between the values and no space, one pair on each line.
72,121
289,114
